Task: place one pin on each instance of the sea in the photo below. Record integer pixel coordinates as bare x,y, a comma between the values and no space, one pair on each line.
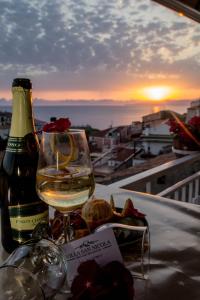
102,116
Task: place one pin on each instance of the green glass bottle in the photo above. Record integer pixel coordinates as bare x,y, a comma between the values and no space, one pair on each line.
21,208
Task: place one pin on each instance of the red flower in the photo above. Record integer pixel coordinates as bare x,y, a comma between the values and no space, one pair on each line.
195,122
187,133
59,125
113,281
174,126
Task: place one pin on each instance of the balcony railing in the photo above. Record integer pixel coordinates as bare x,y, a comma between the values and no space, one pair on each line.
177,179
187,190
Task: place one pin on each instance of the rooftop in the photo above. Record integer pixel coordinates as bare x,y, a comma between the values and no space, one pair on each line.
149,164
122,153
160,115
101,133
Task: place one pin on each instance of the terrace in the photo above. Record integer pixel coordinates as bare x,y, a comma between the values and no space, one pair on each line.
168,195
177,179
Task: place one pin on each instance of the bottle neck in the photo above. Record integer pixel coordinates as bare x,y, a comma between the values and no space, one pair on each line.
22,119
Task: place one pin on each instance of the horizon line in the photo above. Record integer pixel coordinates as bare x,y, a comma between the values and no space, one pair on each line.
94,101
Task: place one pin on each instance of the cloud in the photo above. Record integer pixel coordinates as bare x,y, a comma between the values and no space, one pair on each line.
75,43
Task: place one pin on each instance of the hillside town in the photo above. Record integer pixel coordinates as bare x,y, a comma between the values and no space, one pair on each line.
119,152
127,150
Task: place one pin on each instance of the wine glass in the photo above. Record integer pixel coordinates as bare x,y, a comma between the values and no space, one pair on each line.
65,178
43,264
18,284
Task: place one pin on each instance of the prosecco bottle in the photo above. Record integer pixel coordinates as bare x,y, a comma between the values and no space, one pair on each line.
21,208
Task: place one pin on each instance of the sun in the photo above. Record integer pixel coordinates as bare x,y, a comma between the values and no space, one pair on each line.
157,93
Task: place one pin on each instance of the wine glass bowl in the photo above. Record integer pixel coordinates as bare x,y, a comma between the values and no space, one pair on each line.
64,177
18,284
44,264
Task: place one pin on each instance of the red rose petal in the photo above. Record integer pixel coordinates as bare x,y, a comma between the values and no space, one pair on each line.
59,125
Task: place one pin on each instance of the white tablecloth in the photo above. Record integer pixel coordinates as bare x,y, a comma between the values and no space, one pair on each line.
175,246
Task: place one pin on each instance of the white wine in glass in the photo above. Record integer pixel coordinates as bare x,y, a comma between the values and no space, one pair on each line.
65,189
65,178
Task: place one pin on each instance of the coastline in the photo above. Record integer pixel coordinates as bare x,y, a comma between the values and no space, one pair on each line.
99,116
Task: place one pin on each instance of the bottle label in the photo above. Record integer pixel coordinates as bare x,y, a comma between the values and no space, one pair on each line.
24,218
16,144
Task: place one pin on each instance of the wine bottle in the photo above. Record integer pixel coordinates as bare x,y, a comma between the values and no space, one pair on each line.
21,208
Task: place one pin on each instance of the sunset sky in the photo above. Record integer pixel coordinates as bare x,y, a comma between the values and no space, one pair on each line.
99,49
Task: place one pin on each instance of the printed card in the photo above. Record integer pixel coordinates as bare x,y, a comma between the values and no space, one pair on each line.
100,246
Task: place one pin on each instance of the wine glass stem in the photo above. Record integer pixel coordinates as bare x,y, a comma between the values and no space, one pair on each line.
67,227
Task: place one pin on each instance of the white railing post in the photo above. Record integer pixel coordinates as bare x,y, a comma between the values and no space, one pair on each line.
196,192
176,195
186,190
148,187
183,193
190,192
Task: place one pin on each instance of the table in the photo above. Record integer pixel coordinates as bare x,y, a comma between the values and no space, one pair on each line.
175,245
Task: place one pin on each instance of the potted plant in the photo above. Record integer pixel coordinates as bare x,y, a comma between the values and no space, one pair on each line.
186,135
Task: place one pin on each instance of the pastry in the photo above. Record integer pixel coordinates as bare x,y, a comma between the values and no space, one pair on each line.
96,212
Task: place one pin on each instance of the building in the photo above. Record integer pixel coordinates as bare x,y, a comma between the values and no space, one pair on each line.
193,110
118,158
111,137
5,122
156,137
103,139
106,139
5,118
136,129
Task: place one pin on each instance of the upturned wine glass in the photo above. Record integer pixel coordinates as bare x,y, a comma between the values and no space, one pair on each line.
18,284
33,269
65,178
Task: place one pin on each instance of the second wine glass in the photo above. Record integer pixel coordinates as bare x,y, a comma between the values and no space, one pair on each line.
65,178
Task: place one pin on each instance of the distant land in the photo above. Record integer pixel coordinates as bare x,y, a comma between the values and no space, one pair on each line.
101,102
101,113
